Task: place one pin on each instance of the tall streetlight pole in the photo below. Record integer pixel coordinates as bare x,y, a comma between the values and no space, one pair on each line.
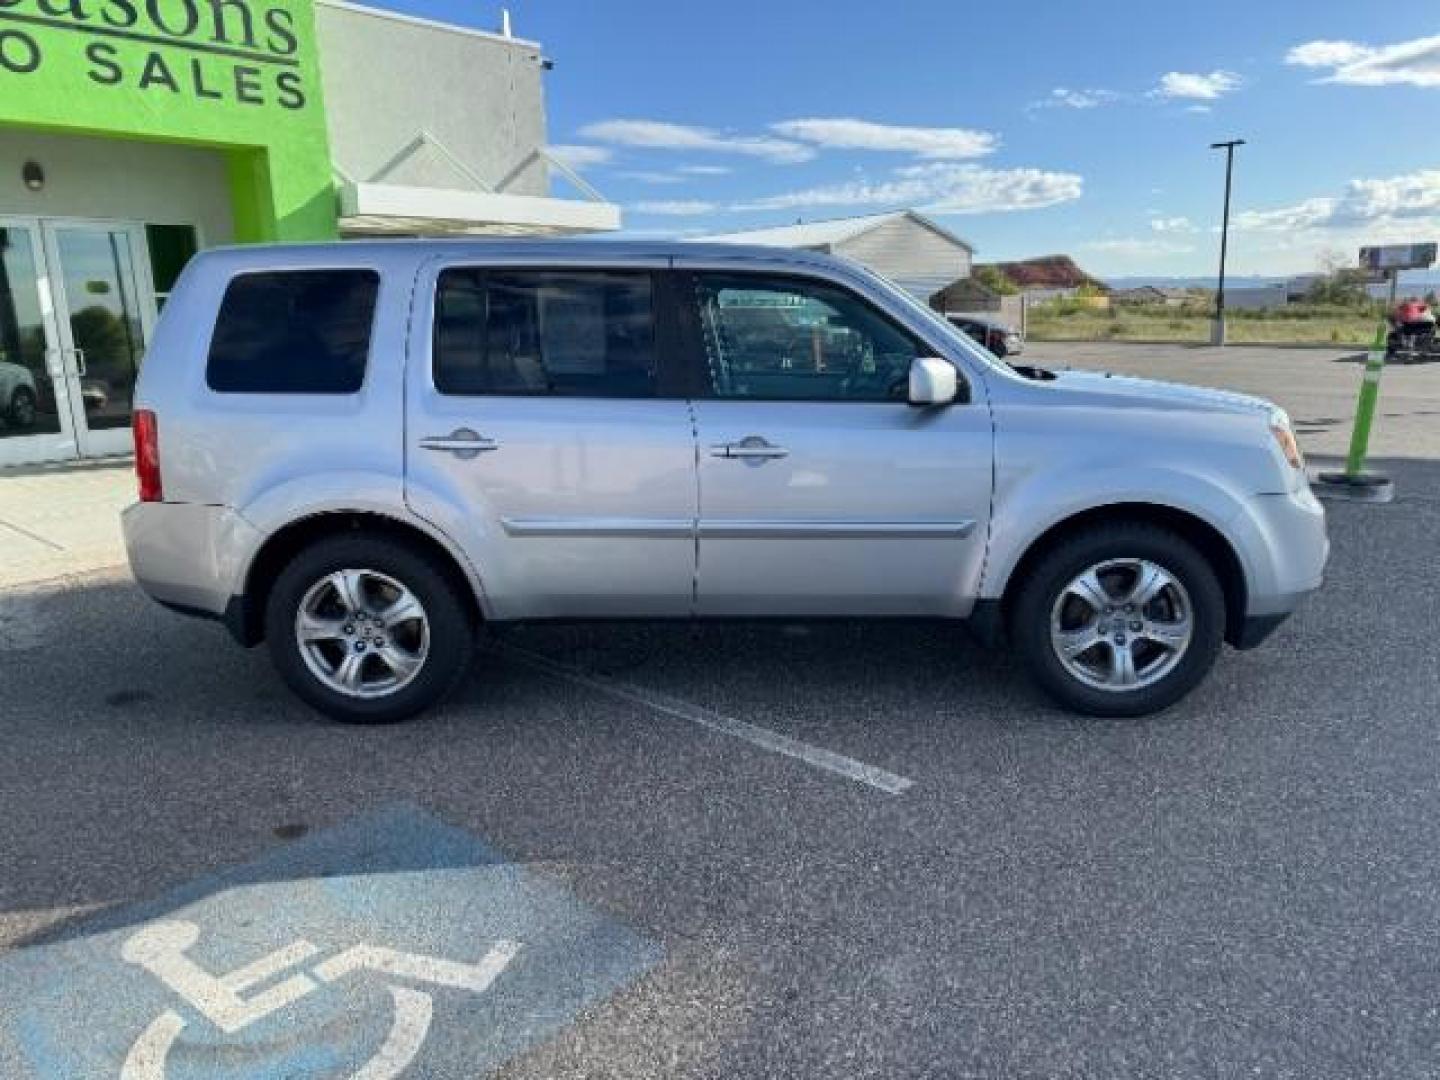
1217,335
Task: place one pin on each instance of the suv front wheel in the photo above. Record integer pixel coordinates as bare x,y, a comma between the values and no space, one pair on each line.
1120,620
367,630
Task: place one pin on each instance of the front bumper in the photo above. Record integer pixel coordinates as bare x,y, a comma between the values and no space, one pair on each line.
1284,546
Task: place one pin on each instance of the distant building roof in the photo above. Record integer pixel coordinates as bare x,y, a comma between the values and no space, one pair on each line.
825,234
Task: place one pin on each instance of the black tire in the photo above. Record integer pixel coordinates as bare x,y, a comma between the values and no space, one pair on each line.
1030,616
451,633
22,407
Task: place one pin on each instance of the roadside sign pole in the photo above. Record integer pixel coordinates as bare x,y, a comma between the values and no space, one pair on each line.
1217,333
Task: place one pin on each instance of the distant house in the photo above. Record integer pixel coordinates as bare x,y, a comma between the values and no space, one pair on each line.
966,295
906,247
1150,294
1048,277
1143,294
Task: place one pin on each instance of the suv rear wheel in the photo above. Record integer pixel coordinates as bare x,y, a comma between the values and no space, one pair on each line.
1120,620
367,629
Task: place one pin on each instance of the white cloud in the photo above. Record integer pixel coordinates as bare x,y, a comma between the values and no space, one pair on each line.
581,157
1138,247
661,135
1197,86
646,176
1364,202
925,142
1171,225
1199,109
675,207
1301,215
1415,62
1063,97
941,188
705,170
1326,54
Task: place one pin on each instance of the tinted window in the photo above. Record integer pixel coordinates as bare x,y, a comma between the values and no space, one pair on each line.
570,333
784,339
294,332
170,247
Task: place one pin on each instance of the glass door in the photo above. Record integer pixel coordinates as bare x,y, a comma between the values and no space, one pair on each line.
105,310
35,413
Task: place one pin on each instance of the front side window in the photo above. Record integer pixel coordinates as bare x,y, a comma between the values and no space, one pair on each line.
791,339
563,333
293,332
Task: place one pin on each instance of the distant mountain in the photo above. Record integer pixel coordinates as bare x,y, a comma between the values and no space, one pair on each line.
1411,279
1244,281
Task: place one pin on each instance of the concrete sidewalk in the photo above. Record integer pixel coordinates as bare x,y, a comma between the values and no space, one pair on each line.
58,520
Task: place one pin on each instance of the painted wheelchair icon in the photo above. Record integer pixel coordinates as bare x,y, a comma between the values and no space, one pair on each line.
222,999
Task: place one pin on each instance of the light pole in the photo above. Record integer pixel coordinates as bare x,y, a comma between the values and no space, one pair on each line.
1217,334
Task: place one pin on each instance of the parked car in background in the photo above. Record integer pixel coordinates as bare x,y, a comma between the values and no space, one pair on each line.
364,453
1000,339
19,398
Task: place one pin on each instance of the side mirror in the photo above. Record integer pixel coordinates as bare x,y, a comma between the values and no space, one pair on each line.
932,381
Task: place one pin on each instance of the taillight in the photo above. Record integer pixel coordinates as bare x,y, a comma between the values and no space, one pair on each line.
147,454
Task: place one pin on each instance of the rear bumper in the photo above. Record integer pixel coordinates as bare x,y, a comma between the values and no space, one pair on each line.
187,556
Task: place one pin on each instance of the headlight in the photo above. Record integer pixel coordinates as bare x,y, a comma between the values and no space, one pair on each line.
1285,438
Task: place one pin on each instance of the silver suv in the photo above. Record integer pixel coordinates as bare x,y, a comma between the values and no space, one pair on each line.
362,453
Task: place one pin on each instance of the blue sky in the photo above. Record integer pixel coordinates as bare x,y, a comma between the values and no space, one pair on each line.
1082,129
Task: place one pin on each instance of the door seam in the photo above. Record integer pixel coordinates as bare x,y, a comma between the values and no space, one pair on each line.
695,520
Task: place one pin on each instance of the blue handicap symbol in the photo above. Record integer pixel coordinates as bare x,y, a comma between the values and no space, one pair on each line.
390,945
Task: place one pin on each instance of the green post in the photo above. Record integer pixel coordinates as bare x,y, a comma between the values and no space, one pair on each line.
1365,408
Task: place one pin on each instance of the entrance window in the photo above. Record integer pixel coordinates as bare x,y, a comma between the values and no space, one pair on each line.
27,396
98,281
170,247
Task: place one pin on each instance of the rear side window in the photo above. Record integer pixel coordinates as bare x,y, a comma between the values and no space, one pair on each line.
293,332
581,333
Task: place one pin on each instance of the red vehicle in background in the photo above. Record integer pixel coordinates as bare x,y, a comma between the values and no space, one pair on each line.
1412,337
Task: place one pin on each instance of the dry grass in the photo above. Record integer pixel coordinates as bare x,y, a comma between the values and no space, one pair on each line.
1297,324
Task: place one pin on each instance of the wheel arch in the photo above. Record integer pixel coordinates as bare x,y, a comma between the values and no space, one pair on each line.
246,617
1203,534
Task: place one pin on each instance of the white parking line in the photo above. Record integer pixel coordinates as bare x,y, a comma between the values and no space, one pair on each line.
764,738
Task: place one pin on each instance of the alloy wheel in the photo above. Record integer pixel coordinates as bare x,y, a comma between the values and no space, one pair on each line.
362,633
1122,625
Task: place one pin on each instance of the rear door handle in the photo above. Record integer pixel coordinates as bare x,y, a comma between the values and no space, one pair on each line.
753,447
464,443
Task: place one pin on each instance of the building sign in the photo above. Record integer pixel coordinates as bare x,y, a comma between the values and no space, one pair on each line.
1382,260
241,76
242,50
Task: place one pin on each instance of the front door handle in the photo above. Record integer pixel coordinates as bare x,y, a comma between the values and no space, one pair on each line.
464,443
752,447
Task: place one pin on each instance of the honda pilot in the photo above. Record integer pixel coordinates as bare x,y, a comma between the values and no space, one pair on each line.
363,454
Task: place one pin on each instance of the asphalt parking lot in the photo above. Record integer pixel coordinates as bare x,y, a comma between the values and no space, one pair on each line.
779,850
